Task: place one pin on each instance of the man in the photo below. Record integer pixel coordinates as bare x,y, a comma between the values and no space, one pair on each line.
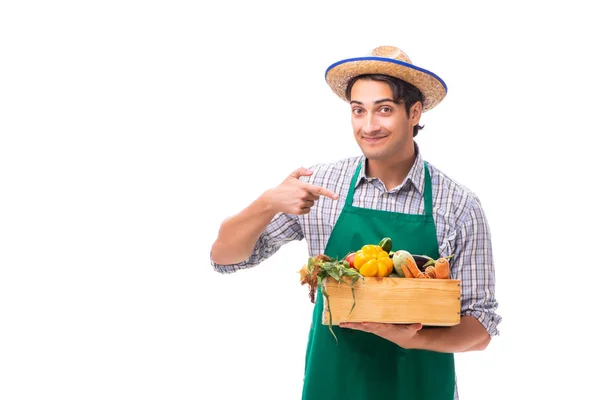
389,191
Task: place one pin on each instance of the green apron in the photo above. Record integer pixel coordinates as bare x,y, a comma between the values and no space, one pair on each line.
364,366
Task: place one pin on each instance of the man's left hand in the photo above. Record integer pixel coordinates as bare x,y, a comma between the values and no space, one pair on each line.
403,335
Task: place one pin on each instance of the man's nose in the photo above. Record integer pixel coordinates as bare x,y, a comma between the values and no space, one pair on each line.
371,124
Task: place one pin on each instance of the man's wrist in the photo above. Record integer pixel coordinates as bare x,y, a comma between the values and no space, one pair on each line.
420,340
265,206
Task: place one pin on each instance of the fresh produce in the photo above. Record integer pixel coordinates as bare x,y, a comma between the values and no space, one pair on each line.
386,244
372,260
398,273
423,261
430,272
442,268
322,266
379,267
350,259
318,269
408,265
404,261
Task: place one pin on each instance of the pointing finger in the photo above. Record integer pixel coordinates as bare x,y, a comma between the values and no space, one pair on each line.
312,196
321,191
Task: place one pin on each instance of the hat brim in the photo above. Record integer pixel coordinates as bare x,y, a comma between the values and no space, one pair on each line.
432,86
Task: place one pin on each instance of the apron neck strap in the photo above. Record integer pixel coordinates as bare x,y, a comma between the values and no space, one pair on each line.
427,191
427,197
350,195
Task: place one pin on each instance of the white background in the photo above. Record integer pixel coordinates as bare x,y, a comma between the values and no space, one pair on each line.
129,130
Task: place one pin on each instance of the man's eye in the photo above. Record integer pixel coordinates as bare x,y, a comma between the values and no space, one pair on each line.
356,111
385,110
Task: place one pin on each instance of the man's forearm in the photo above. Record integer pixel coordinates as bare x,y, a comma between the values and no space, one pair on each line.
469,335
238,234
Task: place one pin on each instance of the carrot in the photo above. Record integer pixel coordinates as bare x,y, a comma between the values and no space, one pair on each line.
442,268
406,270
403,260
412,266
430,271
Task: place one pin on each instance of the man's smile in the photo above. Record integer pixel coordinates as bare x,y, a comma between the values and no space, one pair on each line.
373,139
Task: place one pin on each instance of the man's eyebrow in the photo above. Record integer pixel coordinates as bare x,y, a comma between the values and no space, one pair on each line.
376,101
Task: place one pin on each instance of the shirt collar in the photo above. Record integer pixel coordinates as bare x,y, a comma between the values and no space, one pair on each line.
416,175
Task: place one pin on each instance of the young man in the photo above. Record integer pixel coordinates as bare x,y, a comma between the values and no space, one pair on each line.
388,191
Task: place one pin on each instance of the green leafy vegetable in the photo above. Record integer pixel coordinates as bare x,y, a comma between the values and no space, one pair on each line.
318,269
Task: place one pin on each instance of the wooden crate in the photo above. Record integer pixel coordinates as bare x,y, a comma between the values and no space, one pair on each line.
434,302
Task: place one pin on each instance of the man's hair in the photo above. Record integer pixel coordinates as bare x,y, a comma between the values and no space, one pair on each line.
402,92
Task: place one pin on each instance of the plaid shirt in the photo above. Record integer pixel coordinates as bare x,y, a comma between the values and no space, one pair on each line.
460,222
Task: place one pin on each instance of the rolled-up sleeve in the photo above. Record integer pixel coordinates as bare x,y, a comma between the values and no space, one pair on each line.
282,229
473,264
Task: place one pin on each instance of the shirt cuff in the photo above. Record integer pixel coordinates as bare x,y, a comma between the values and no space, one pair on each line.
489,321
229,269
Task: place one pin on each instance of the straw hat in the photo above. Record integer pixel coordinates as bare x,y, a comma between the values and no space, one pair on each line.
387,60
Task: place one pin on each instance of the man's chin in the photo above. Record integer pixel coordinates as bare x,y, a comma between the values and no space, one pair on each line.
372,155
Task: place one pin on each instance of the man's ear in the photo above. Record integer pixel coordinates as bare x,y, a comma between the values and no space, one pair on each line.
415,113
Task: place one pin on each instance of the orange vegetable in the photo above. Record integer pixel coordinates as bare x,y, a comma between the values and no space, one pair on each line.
412,265
430,271
406,270
380,267
404,260
372,260
368,252
369,268
385,266
442,268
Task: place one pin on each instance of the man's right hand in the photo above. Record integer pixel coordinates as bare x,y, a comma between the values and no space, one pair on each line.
238,234
294,196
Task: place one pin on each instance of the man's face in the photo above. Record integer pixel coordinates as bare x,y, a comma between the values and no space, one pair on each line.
381,127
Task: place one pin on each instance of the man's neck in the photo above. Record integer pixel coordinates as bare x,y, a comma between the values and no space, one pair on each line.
393,172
